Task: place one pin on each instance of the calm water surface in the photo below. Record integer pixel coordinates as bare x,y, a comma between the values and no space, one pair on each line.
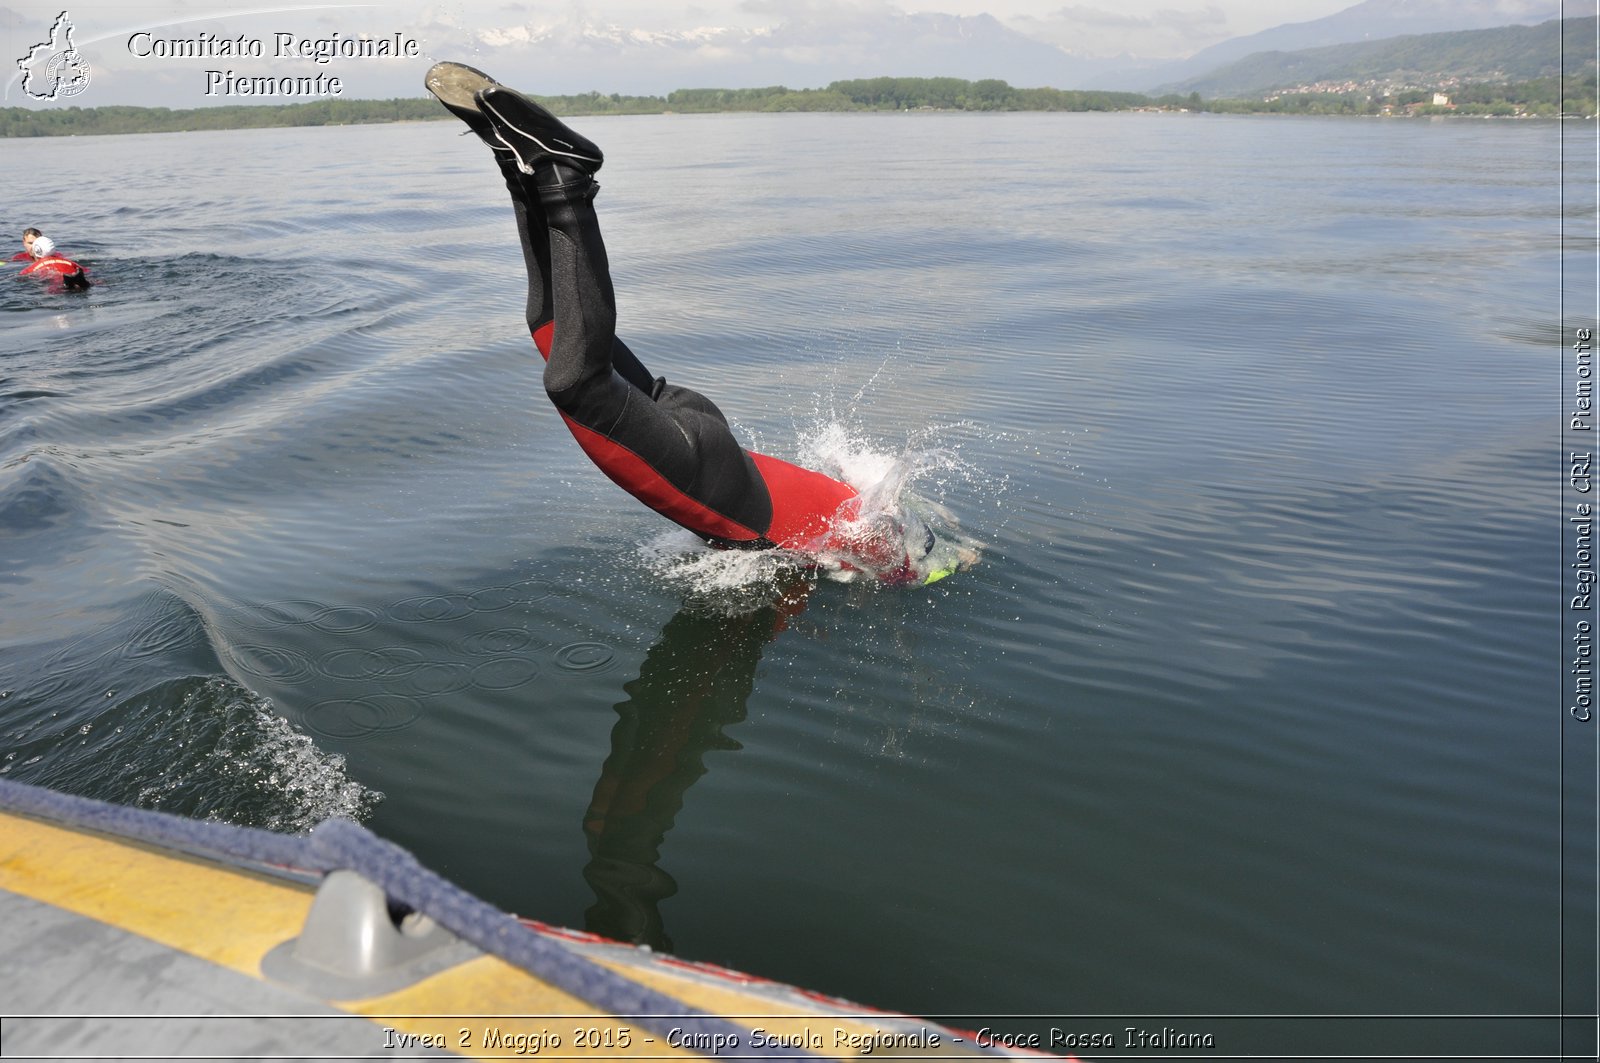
1246,709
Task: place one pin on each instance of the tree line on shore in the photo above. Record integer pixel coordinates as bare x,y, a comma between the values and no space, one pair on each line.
1539,98
1544,96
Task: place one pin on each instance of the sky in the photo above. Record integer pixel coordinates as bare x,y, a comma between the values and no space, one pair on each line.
541,35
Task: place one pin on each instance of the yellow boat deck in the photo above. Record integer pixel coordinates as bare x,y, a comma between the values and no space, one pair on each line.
122,949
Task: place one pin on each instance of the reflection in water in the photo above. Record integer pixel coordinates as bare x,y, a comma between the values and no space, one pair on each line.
693,683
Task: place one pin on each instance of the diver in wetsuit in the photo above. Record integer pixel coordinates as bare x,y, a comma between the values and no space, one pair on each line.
667,445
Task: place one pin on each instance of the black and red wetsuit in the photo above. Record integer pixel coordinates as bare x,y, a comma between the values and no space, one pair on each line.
667,445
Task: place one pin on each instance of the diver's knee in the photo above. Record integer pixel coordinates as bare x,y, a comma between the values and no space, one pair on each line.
580,396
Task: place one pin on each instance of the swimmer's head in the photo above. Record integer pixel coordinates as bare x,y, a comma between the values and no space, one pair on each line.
41,246
890,546
28,237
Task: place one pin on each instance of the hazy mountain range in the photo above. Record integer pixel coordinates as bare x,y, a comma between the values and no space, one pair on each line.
1368,21
1505,53
805,49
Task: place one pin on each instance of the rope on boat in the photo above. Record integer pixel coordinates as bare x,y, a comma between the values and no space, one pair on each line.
342,845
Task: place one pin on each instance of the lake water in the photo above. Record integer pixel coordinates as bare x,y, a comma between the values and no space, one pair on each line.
1252,705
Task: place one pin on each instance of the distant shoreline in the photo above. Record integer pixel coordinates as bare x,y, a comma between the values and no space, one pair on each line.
1533,99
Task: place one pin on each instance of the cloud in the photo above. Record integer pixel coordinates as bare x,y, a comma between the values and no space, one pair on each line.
821,12
1167,20
1087,30
1082,15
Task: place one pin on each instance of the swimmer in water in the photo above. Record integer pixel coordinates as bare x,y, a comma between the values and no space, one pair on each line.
665,444
41,251
29,235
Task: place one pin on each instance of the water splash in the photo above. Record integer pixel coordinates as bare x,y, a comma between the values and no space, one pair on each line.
903,491
903,514
721,582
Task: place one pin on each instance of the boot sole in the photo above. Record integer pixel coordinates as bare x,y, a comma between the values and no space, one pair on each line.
455,86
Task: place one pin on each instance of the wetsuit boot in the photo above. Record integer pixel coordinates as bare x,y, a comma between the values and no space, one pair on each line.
535,135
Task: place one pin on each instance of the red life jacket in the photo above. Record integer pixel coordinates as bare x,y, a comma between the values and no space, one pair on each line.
54,263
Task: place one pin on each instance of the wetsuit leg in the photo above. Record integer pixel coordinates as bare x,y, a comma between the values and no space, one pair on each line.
535,244
711,485
633,371
534,236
